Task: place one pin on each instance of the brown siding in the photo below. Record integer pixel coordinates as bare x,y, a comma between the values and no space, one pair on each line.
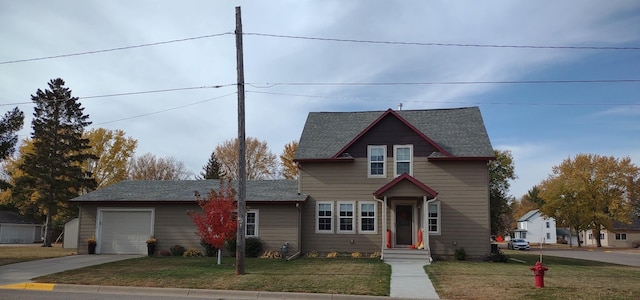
463,193
173,226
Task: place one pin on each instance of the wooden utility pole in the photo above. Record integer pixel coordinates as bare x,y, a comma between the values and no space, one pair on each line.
242,164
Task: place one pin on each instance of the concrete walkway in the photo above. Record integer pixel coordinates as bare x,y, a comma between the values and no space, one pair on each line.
409,280
24,272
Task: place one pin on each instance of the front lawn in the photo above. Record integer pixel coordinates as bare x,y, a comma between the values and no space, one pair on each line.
306,275
566,279
15,254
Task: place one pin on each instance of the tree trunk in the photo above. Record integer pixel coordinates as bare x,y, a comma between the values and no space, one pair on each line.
47,230
578,236
596,235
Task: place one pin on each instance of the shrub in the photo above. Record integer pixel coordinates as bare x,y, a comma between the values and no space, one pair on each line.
332,254
635,244
252,246
271,254
497,257
356,255
312,254
209,250
192,252
177,250
460,254
375,255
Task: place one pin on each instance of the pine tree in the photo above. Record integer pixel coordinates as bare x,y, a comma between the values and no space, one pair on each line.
213,168
53,172
10,124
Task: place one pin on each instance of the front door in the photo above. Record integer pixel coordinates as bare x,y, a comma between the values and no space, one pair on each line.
404,220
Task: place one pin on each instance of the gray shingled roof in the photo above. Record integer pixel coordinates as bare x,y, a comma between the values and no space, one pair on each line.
184,190
460,131
11,217
528,215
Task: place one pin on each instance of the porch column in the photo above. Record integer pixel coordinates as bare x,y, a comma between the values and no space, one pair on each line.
384,222
425,231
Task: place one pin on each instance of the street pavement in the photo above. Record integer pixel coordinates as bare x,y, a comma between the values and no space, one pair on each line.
628,257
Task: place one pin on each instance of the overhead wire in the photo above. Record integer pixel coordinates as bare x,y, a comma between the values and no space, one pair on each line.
438,44
114,49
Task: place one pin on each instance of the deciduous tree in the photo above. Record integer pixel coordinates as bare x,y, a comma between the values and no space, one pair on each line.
261,163
216,223
289,167
591,192
53,171
114,151
524,205
148,167
501,170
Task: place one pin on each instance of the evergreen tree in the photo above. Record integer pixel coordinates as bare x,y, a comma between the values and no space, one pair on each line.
213,168
53,171
10,124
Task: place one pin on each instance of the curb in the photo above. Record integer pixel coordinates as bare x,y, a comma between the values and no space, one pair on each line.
202,293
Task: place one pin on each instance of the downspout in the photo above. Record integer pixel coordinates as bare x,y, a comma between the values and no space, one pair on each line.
384,224
299,234
425,219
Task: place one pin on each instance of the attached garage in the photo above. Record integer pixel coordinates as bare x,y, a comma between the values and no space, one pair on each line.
124,231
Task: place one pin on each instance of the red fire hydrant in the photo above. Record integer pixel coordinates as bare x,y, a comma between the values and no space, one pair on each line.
538,273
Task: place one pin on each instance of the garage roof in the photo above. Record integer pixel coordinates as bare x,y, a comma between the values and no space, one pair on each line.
186,190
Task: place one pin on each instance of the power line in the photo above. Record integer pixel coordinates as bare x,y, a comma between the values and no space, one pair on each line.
270,85
440,44
138,93
115,49
166,110
448,102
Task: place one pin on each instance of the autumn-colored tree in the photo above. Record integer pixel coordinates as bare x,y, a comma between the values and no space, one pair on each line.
591,192
114,151
217,222
10,124
501,170
148,167
289,167
261,163
213,168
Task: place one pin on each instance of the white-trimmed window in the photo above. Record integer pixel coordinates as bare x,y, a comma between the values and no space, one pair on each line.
403,159
621,236
433,217
368,217
377,157
346,217
251,223
324,217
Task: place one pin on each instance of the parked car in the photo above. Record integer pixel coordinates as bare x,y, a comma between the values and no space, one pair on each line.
518,244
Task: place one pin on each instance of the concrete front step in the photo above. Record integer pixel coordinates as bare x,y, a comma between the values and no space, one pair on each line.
406,254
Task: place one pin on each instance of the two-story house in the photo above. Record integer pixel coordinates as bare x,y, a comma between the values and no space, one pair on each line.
536,228
381,180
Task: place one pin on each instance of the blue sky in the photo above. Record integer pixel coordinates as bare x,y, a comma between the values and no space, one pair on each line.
542,124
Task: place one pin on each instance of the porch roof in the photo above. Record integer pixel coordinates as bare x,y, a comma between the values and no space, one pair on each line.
402,178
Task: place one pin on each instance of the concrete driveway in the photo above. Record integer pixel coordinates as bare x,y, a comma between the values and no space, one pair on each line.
24,272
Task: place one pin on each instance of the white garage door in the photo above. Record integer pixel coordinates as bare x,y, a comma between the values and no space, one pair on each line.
125,231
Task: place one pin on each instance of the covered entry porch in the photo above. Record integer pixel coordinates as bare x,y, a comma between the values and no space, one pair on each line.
410,212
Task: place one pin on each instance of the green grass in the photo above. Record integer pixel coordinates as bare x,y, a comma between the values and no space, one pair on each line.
22,253
307,275
566,279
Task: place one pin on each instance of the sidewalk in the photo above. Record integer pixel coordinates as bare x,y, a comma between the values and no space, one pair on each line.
409,280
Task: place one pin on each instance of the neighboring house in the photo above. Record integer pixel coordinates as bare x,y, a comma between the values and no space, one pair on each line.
536,228
377,179
566,235
17,229
622,236
368,182
123,216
